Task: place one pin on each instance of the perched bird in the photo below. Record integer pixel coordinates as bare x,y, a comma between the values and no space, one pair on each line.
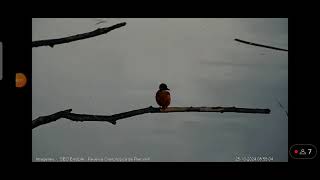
163,96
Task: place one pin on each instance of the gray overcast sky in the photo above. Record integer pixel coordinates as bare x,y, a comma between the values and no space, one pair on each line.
199,61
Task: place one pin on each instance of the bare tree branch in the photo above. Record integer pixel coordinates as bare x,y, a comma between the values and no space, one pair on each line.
261,45
50,118
113,118
97,32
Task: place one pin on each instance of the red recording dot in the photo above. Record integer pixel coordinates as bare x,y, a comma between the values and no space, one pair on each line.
296,151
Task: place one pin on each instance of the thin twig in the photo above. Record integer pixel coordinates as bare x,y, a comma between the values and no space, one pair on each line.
113,118
97,32
261,45
282,108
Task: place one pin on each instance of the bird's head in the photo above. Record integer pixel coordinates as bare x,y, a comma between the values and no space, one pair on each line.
163,86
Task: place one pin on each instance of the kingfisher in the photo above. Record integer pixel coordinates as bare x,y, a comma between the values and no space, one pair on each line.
163,96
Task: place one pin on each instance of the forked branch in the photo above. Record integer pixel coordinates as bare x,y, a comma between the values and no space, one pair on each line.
113,118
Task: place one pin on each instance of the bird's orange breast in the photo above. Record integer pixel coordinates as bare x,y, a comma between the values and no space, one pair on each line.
163,98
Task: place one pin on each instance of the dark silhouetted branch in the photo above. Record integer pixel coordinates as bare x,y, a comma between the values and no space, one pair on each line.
113,118
97,32
50,118
261,45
